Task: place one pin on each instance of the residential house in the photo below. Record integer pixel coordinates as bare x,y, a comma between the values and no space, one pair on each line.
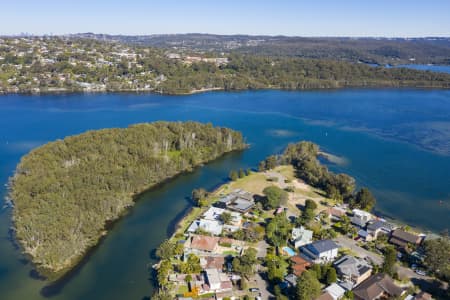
352,269
299,265
336,213
214,213
320,251
238,200
211,226
365,236
335,291
374,228
360,217
212,262
401,238
377,286
423,296
301,236
217,281
201,245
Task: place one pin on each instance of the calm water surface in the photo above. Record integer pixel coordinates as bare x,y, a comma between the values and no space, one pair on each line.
394,141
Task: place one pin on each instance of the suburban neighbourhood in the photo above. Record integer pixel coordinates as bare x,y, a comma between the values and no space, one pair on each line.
269,235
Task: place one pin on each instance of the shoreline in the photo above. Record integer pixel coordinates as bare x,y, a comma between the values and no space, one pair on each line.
218,89
64,274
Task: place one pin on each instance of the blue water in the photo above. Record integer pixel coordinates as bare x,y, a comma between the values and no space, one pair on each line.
396,142
434,68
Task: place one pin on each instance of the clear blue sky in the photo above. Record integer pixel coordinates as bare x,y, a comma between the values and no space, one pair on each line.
302,18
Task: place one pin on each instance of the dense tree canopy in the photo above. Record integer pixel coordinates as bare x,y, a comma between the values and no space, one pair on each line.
308,287
65,191
278,230
274,197
437,256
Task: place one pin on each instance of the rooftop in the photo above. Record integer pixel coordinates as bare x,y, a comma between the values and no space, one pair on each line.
375,286
204,243
322,246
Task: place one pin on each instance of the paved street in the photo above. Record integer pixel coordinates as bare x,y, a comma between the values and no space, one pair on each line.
361,252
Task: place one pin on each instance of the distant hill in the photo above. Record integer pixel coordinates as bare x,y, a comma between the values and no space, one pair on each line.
427,50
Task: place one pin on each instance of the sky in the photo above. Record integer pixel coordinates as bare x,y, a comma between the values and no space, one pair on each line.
382,18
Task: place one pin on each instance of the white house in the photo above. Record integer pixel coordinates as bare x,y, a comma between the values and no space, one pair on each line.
212,226
301,236
321,251
360,217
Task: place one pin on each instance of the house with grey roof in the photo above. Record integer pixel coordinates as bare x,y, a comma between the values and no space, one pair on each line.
352,269
320,251
374,228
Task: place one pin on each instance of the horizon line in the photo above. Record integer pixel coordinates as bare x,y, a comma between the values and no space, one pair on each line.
26,34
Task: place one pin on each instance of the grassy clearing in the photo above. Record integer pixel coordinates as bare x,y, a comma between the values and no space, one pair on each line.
254,183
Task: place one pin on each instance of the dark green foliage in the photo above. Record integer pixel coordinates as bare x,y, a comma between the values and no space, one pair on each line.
165,250
390,257
303,156
276,268
244,264
308,287
331,276
274,197
191,266
310,204
233,175
278,230
199,196
241,173
363,200
317,269
66,191
437,257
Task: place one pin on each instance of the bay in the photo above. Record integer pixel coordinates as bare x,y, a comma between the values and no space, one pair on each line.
396,142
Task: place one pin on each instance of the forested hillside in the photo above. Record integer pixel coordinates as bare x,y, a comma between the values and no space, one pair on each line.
61,64
66,191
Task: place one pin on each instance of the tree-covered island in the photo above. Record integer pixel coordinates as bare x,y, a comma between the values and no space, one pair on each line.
65,192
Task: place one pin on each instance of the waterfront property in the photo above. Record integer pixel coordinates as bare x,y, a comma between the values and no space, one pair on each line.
238,200
360,218
376,227
401,238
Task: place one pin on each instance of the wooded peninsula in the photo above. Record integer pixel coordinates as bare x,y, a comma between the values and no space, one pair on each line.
65,192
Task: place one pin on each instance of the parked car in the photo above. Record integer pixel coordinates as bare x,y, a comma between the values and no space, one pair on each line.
413,266
254,290
421,272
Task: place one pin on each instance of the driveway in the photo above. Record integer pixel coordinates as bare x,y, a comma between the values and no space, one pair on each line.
261,248
361,252
259,282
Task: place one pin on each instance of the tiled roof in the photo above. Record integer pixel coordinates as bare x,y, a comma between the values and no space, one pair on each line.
375,286
204,243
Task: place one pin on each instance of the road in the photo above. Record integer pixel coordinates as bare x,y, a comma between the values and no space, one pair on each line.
261,284
361,252
403,272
